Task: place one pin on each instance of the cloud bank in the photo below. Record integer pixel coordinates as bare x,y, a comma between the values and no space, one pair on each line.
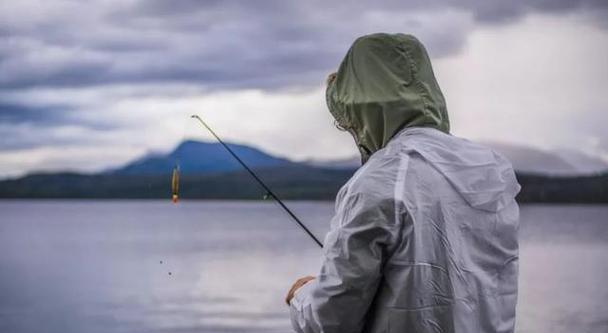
112,76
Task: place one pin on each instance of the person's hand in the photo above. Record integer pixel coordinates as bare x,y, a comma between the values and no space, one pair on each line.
299,283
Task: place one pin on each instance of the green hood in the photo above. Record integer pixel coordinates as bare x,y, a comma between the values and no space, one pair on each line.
384,84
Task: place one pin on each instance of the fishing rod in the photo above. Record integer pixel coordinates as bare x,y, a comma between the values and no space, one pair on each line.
266,188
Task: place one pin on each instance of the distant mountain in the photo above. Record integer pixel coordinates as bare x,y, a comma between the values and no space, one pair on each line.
288,182
196,157
346,163
209,172
583,163
524,159
536,161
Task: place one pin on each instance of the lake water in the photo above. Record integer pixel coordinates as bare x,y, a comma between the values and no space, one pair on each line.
205,266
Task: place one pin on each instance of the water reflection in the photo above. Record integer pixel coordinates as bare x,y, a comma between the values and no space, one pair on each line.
96,266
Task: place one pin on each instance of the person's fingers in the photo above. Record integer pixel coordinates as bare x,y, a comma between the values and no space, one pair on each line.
291,292
306,279
301,282
288,296
297,285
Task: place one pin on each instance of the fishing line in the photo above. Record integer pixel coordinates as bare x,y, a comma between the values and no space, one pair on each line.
175,175
176,169
269,192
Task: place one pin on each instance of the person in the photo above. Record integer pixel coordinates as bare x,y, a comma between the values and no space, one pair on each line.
424,237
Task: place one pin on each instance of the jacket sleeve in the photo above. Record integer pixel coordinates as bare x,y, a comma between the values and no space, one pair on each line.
353,255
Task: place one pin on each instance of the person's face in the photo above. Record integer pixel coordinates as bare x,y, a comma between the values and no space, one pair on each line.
348,128
330,79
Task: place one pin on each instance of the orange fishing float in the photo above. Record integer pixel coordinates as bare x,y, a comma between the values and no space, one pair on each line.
175,184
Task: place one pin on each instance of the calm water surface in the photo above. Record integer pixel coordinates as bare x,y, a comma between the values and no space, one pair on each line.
150,266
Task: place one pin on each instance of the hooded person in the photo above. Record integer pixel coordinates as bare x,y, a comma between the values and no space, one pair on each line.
424,236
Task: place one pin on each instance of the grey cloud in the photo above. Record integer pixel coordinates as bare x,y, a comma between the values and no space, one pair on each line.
19,114
217,45
14,117
25,137
225,44
496,11
18,136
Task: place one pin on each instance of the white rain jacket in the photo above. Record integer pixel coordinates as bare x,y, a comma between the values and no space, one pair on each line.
424,239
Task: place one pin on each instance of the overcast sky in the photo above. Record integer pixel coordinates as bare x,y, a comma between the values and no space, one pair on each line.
87,85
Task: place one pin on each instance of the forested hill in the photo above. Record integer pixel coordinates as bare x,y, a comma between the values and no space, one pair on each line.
293,182
208,172
196,157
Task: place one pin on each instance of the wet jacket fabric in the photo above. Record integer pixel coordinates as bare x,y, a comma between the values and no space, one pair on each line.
424,236
424,239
